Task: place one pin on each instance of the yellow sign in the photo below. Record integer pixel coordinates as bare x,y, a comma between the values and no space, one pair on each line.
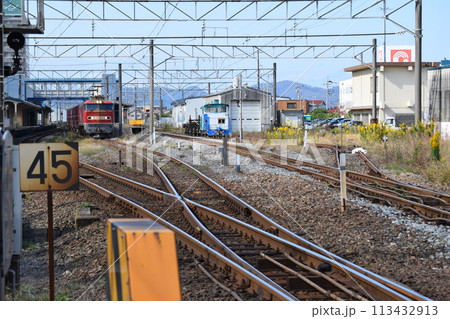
48,166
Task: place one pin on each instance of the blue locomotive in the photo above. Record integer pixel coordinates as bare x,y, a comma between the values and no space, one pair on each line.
215,120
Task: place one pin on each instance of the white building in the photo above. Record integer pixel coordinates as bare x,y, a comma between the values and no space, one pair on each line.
395,91
185,109
256,108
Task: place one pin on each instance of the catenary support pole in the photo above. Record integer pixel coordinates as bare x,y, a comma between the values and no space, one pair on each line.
258,72
120,101
152,92
274,106
418,63
2,73
374,81
241,104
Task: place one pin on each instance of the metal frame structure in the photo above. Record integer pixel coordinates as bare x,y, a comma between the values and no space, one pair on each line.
225,10
298,44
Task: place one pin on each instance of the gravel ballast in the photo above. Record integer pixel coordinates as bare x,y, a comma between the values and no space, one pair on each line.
382,239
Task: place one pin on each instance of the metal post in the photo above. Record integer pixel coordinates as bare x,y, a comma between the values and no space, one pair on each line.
107,87
160,102
152,92
238,163
120,100
241,129
258,74
306,136
51,267
225,151
418,63
374,80
343,177
209,88
275,120
2,75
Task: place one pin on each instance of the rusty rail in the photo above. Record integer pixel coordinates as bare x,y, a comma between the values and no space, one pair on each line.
366,279
202,231
330,175
254,284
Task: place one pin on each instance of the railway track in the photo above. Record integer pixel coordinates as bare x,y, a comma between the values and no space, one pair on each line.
425,203
240,278
231,206
35,137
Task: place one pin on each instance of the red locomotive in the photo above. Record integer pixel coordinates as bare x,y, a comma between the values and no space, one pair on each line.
92,117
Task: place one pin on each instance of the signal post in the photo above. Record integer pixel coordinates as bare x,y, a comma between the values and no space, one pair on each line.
49,167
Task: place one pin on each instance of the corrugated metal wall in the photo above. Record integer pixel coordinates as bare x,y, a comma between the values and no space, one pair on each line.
440,95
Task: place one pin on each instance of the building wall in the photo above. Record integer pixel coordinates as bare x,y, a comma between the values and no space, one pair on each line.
395,90
250,97
256,107
302,105
439,93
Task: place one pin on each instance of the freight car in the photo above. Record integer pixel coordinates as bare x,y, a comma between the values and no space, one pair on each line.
214,121
92,117
136,119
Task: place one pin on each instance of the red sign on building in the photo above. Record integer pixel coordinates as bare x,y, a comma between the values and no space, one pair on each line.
401,56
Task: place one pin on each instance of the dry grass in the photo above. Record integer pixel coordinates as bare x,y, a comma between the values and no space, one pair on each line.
438,172
90,147
408,153
412,153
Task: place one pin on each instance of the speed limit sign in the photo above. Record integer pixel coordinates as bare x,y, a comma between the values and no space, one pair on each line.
48,166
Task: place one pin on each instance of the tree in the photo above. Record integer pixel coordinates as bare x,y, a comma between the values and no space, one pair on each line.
322,114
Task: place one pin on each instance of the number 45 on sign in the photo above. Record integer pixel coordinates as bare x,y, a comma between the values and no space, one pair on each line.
48,166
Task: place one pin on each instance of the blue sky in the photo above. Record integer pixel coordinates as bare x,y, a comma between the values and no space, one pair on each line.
312,72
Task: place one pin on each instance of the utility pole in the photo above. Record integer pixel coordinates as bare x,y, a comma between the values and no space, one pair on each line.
374,81
152,92
328,84
120,100
275,120
418,63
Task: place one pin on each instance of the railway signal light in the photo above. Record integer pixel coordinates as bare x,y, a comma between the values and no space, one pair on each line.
16,41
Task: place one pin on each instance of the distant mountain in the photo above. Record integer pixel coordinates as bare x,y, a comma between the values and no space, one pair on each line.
307,92
140,96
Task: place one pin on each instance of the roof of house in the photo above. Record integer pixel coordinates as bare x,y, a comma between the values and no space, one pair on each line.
390,64
230,89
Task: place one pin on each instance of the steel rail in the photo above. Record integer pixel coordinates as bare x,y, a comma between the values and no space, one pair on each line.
364,285
253,283
389,181
204,233
272,227
370,287
425,211
380,177
282,232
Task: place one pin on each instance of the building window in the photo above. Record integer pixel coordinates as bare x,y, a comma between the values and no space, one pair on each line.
291,105
221,121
